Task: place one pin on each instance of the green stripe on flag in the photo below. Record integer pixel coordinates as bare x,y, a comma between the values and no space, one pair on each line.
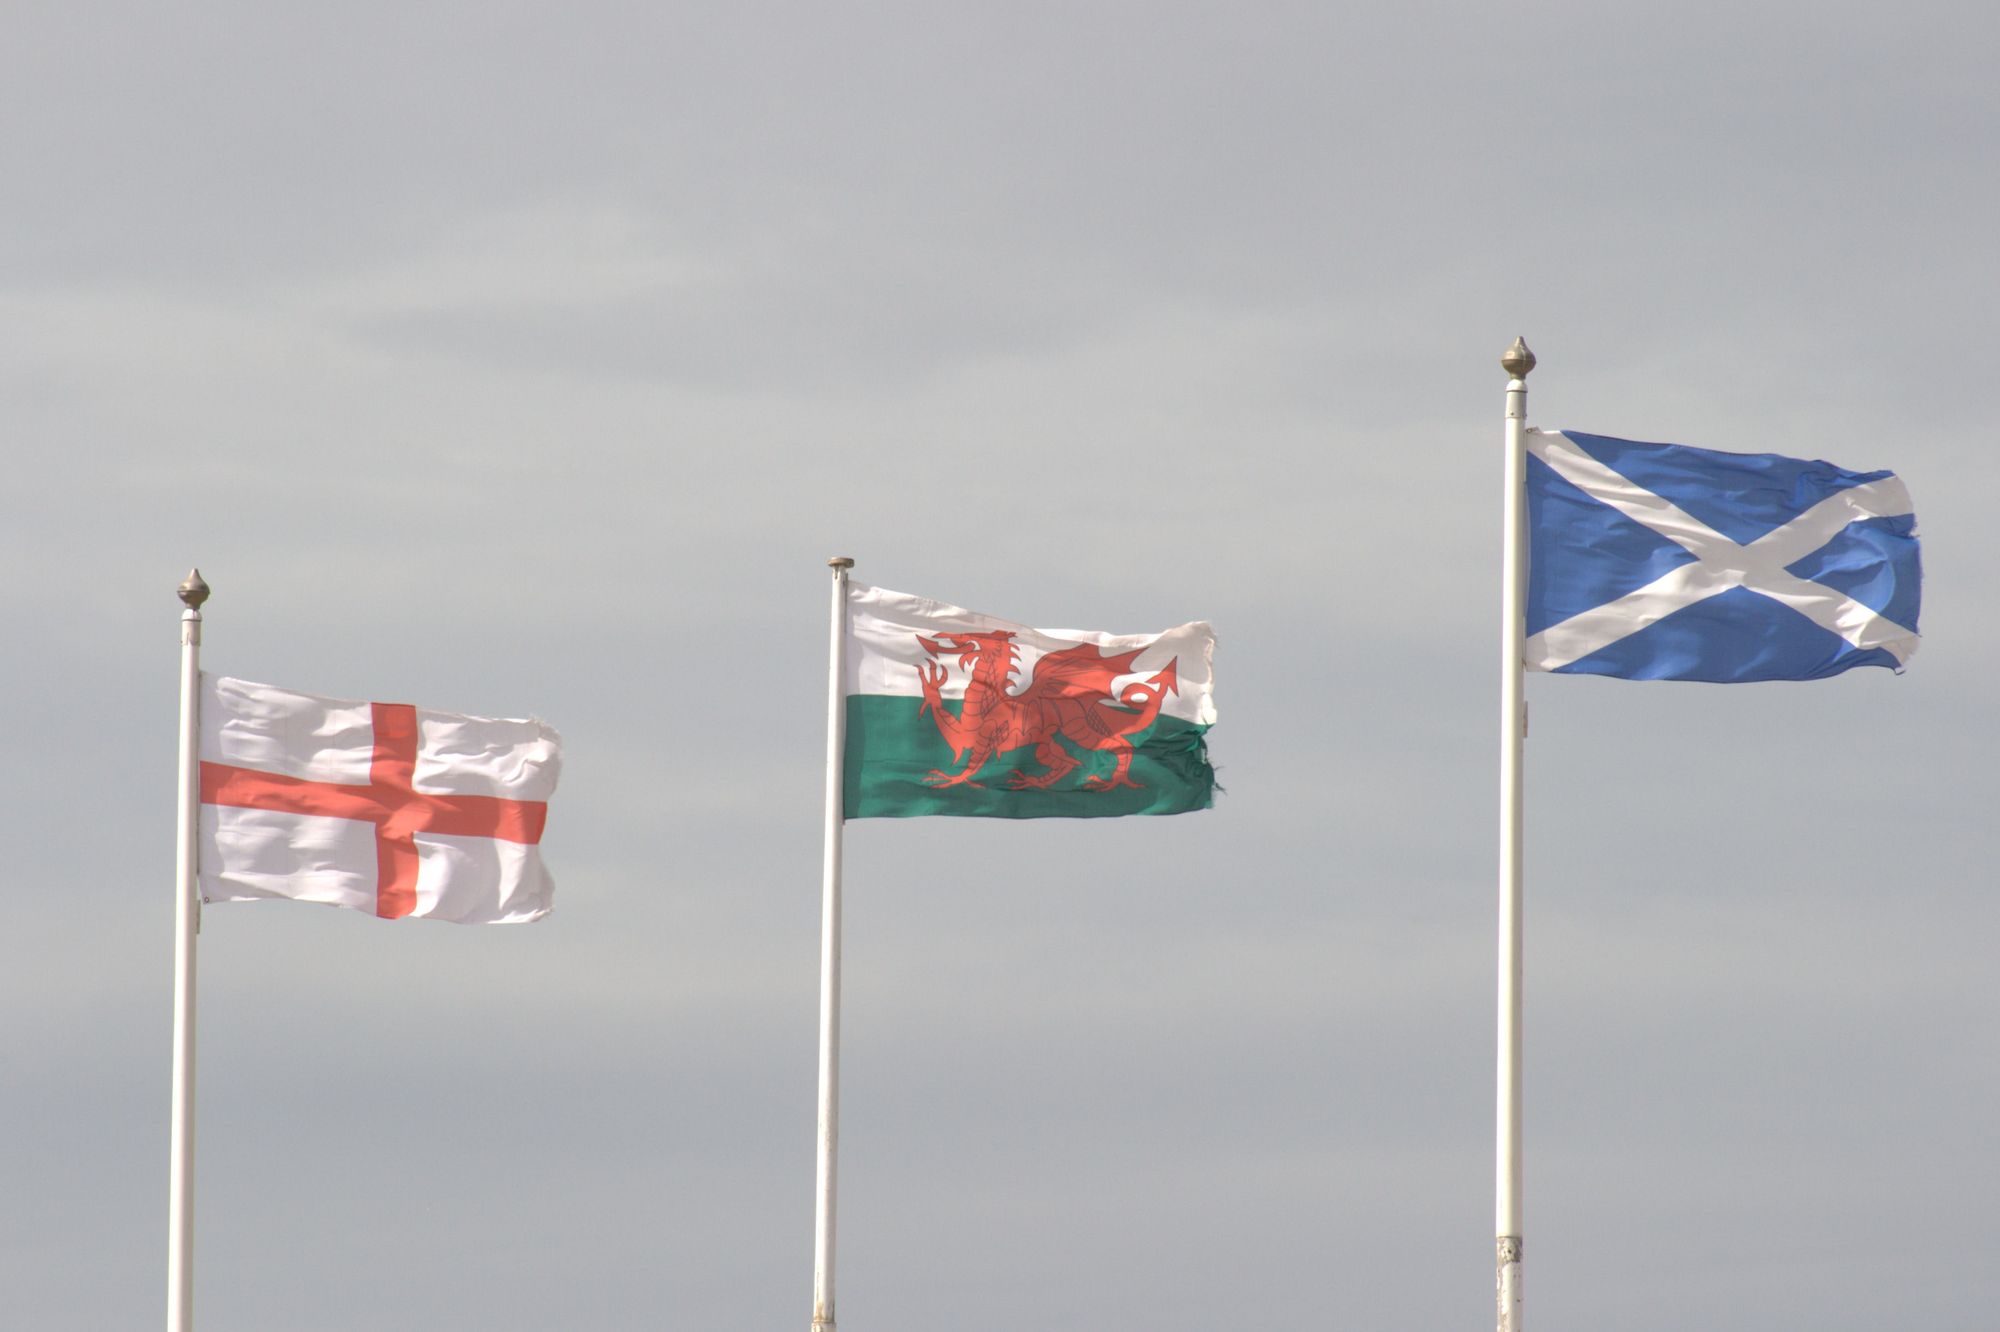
891,751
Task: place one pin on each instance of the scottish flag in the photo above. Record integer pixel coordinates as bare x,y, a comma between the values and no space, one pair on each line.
1663,562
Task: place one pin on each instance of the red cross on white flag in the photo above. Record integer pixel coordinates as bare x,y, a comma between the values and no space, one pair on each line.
380,807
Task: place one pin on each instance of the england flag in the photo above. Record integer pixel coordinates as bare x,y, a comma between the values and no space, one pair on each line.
379,807
1664,562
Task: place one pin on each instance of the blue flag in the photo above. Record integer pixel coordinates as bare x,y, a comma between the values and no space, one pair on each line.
1663,562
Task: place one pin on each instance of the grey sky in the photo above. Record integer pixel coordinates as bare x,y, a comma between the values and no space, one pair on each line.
520,359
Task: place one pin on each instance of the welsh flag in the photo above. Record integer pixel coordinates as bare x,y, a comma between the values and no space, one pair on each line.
954,712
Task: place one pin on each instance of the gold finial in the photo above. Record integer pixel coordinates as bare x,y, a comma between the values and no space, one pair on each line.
193,591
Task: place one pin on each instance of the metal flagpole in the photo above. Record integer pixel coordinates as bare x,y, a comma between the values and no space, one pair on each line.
187,922
829,956
1517,362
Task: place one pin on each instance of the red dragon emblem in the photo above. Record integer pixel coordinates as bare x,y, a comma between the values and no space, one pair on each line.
1069,698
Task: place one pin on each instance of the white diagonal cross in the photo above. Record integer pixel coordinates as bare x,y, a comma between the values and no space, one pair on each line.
1720,563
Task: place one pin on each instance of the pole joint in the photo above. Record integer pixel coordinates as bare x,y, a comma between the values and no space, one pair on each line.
1507,1283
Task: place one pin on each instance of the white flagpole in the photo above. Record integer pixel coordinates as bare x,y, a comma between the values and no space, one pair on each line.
1517,362
829,957
187,922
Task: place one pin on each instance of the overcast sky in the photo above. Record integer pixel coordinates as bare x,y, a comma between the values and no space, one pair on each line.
521,359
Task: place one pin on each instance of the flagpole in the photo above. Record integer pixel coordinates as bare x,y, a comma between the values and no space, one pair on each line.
187,922
1517,362
829,957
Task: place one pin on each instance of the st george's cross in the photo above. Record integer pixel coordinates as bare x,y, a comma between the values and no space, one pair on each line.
380,807
1666,562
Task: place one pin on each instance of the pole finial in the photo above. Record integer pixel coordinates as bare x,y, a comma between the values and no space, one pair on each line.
1518,361
193,591
841,562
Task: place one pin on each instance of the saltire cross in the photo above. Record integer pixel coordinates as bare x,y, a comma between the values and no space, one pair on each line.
1763,564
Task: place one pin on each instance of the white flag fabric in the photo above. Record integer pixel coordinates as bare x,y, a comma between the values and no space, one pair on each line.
379,807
